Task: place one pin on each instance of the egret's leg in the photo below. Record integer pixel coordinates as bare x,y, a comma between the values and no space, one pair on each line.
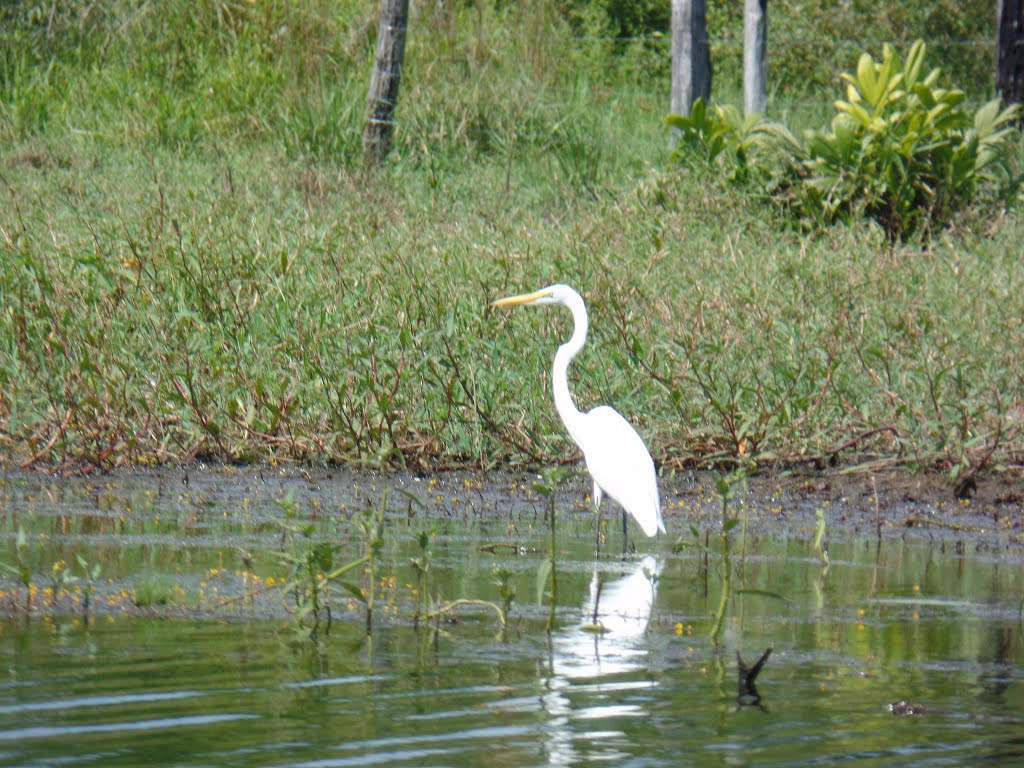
597,517
625,533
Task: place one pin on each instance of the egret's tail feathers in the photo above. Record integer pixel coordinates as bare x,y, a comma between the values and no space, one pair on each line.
651,526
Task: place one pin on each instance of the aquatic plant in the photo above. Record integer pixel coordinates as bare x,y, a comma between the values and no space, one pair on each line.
819,537
89,575
315,570
157,591
60,579
371,528
312,571
726,485
421,566
507,593
21,569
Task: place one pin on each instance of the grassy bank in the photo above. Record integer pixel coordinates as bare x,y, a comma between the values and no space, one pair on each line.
207,272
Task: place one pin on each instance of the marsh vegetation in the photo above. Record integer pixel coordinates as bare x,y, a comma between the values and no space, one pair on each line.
196,266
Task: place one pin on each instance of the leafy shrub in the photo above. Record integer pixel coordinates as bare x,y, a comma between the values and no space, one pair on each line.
738,145
901,150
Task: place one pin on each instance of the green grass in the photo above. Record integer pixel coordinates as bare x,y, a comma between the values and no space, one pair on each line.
194,265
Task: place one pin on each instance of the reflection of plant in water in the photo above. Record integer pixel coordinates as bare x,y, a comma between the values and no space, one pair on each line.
429,607
653,578
726,485
546,485
746,693
822,554
506,592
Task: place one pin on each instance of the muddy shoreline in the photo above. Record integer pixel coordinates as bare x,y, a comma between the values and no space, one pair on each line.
896,503
890,502
856,507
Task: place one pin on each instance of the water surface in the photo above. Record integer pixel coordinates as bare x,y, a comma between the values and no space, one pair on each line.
630,674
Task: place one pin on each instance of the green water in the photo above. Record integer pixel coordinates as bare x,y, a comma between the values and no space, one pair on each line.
211,680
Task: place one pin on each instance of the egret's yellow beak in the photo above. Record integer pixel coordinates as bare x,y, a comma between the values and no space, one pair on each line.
524,298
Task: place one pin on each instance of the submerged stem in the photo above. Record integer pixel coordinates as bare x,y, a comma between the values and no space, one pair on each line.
554,570
716,630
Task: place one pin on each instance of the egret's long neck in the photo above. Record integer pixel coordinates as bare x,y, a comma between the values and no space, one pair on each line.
570,414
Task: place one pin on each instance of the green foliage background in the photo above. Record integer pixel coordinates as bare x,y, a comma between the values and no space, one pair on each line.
179,72
194,263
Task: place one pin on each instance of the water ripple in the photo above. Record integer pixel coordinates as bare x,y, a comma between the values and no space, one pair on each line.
48,731
95,701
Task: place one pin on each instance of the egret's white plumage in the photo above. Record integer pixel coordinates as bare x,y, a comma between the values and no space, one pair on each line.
616,456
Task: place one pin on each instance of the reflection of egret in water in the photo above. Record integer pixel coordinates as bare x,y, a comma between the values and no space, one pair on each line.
614,622
596,675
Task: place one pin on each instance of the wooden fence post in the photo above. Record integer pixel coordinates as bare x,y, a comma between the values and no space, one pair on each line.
1010,51
691,55
387,76
755,56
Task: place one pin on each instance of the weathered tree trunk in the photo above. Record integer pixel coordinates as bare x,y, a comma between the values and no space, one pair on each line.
387,76
1010,51
691,55
755,56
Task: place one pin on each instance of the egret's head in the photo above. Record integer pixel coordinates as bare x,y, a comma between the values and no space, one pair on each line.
553,294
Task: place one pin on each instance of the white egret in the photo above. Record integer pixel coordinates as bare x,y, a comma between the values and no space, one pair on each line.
617,459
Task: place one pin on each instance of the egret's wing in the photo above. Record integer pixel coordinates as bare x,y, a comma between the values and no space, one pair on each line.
621,464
